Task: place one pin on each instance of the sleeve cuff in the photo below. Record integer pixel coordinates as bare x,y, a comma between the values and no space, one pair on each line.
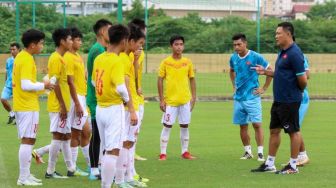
300,74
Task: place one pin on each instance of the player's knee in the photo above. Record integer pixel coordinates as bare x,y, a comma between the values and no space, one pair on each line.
184,125
275,132
3,101
167,126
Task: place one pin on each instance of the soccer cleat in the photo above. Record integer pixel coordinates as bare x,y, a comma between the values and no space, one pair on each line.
163,157
288,170
139,158
94,177
33,178
37,157
302,160
10,119
187,155
80,172
54,175
264,168
136,183
261,157
140,179
124,185
28,182
246,156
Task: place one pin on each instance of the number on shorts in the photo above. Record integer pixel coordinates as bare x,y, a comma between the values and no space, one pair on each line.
167,118
79,121
35,128
99,81
62,124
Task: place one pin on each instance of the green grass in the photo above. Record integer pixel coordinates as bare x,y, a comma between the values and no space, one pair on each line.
214,140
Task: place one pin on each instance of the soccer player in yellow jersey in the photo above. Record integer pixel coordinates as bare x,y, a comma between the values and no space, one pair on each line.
77,84
178,73
108,79
125,163
58,105
25,101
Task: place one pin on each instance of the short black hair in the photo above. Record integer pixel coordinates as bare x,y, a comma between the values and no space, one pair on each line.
138,22
287,26
32,36
238,36
59,34
99,24
76,33
135,32
117,33
17,45
174,38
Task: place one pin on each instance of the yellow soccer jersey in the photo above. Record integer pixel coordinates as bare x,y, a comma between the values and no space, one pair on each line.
24,69
75,68
176,74
107,74
57,67
129,71
140,71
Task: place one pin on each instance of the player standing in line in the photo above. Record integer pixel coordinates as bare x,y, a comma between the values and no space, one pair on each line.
7,92
77,84
25,101
178,73
108,78
58,105
101,30
247,100
125,164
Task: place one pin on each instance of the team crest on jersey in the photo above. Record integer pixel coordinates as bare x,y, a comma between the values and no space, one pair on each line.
284,56
248,63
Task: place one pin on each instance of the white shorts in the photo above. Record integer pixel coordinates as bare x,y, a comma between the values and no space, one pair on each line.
58,125
76,122
27,124
111,125
183,112
132,131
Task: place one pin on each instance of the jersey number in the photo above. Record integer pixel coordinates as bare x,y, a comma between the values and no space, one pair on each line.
99,81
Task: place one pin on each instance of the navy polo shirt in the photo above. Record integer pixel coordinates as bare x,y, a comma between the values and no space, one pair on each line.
289,65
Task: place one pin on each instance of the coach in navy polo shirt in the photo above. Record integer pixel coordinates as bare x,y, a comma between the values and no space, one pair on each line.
289,82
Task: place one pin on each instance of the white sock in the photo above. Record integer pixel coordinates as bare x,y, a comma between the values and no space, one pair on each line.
25,156
66,149
270,160
43,150
164,139
85,151
303,154
184,135
74,152
108,170
293,162
248,149
95,171
134,171
130,165
121,166
11,114
55,146
101,149
261,149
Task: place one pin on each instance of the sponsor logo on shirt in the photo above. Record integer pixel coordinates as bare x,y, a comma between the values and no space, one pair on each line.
248,63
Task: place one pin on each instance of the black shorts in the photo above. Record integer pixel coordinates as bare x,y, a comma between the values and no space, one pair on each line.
286,116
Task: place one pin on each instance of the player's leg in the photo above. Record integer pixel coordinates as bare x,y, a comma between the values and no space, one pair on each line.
240,118
85,141
303,157
141,115
38,153
27,124
94,147
184,116
254,110
5,97
168,119
289,116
